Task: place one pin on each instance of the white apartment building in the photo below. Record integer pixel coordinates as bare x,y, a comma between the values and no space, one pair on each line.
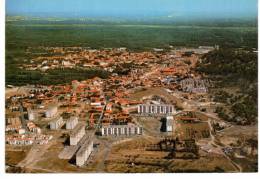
119,130
156,109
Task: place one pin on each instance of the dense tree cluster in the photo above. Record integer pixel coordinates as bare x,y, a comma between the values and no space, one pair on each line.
230,63
233,68
16,76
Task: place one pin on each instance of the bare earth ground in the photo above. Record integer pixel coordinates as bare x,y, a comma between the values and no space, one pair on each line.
131,157
14,155
186,130
153,91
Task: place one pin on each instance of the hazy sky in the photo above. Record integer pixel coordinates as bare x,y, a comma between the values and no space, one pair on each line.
214,8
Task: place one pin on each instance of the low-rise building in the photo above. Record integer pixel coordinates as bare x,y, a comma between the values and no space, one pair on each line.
21,131
13,128
33,128
28,139
195,85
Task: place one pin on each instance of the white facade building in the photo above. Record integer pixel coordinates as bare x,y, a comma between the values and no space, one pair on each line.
169,123
56,123
32,115
51,111
84,152
119,130
77,133
71,122
156,109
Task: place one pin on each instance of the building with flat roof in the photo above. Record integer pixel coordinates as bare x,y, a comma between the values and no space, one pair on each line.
169,123
71,122
84,152
191,85
156,109
32,114
51,111
121,130
77,133
56,123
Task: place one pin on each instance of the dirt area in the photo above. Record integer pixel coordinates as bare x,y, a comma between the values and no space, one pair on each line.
153,91
247,164
196,130
234,133
96,161
241,131
151,125
131,157
209,163
50,161
14,155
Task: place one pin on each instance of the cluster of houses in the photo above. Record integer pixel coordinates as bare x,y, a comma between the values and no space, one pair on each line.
28,139
191,85
13,124
105,104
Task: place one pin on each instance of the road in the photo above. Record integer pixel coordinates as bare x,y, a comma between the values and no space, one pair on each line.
238,167
107,148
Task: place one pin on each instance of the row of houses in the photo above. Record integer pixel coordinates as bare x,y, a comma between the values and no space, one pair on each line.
195,85
13,128
13,124
33,128
28,139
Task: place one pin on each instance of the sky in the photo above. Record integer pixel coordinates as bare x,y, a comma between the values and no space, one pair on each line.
170,8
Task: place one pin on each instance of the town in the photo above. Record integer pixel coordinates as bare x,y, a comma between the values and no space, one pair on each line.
152,108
